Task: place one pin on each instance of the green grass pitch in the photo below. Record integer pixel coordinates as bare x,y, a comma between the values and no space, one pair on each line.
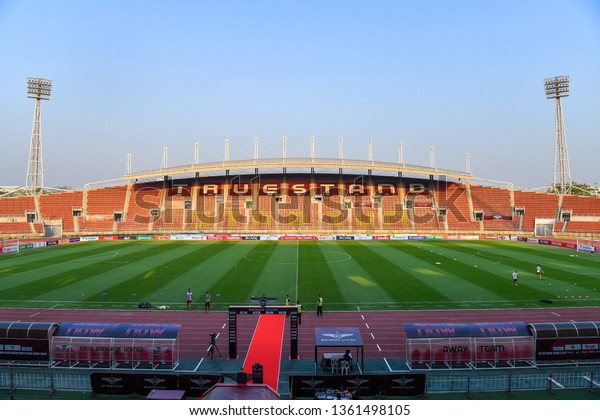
350,275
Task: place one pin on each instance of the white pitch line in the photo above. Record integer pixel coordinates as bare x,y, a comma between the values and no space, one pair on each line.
554,313
379,348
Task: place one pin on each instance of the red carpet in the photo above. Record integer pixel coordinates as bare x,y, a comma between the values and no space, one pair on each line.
265,348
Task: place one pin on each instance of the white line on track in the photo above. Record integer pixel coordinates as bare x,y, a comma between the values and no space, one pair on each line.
378,348
223,327
388,365
554,313
31,316
367,325
363,317
372,336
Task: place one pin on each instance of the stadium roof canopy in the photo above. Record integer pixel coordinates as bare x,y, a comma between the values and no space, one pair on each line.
296,163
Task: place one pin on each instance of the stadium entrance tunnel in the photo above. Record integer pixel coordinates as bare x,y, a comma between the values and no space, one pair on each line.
469,346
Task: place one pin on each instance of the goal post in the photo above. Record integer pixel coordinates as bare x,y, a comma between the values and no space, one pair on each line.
588,245
9,245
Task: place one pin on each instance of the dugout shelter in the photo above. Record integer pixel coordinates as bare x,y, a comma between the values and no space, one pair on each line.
469,346
25,343
124,346
572,343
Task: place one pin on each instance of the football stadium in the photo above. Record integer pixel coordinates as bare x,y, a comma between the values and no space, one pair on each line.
254,279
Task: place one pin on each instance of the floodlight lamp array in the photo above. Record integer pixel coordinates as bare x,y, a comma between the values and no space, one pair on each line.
38,88
557,87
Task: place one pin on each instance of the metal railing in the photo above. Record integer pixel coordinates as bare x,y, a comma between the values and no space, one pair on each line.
582,379
540,381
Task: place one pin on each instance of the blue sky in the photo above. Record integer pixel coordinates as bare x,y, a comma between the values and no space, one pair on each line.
462,76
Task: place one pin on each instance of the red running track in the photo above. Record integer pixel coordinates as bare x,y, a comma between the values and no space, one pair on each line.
382,331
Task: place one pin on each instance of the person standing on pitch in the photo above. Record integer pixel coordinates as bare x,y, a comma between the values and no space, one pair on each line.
538,272
288,302
206,301
515,278
188,299
319,306
300,309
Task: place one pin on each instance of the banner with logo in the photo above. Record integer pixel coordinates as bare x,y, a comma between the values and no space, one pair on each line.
121,383
297,238
564,349
362,385
197,385
338,337
403,385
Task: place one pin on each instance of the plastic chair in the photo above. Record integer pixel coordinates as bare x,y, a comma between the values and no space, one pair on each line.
345,367
335,363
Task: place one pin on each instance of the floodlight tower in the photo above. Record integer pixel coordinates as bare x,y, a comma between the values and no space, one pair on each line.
37,89
557,88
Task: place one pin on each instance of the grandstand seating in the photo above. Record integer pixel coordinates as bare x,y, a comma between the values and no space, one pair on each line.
105,201
12,228
536,205
61,206
144,200
454,198
492,201
17,206
425,219
581,205
583,227
394,214
96,224
301,203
